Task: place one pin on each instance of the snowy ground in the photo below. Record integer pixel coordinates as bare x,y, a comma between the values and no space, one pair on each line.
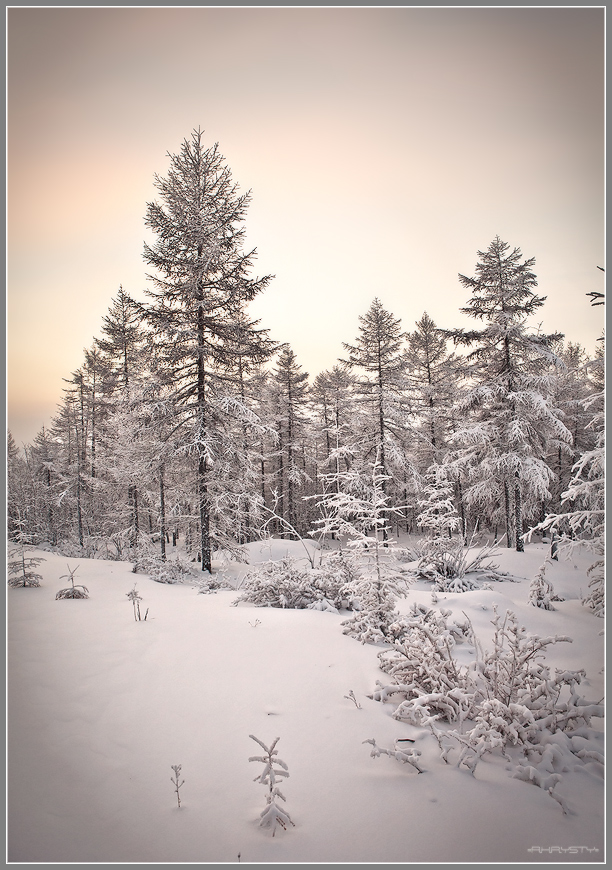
101,706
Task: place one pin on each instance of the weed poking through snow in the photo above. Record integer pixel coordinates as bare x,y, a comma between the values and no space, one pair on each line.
136,598
177,774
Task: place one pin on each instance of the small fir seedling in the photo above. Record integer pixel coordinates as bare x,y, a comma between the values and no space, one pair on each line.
136,598
21,567
75,590
541,590
272,815
177,781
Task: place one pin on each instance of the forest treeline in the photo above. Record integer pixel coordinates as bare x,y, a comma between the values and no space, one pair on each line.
185,420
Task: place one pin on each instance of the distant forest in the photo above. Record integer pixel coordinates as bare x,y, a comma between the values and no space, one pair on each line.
187,422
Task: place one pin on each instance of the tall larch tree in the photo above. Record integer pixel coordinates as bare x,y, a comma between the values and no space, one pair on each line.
201,284
289,394
379,361
511,421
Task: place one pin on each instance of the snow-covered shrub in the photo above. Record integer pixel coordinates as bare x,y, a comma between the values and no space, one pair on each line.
541,590
211,583
375,613
595,599
406,756
377,583
286,584
272,815
147,560
509,694
583,522
73,591
455,568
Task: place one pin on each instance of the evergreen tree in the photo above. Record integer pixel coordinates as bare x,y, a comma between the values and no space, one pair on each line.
124,334
571,386
201,285
380,393
289,387
432,379
332,397
512,422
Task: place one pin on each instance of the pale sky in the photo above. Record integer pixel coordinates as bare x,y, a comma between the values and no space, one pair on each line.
383,149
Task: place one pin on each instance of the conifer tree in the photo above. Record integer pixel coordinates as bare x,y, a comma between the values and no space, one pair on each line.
124,333
512,422
380,393
289,385
332,397
432,378
201,286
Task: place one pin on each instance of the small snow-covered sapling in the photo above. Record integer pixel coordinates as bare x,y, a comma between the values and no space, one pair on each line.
135,598
177,773
272,815
21,567
74,591
541,590
351,697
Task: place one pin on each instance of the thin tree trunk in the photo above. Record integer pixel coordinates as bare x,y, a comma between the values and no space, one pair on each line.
518,514
162,512
508,519
204,516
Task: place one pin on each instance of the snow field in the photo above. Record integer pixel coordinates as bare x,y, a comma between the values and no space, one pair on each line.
101,706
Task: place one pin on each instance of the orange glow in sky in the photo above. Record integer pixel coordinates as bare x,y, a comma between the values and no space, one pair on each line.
383,149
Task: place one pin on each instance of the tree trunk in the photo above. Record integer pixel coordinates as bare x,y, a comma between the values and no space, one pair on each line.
508,518
518,514
162,512
204,516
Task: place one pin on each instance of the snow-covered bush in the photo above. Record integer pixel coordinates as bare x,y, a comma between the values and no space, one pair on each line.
75,590
406,756
286,584
541,590
272,815
595,599
211,583
147,560
509,695
455,568
375,611
583,521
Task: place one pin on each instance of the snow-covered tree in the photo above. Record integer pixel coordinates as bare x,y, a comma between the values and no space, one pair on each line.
438,514
511,422
383,422
201,286
21,565
123,337
582,515
289,393
359,510
432,380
